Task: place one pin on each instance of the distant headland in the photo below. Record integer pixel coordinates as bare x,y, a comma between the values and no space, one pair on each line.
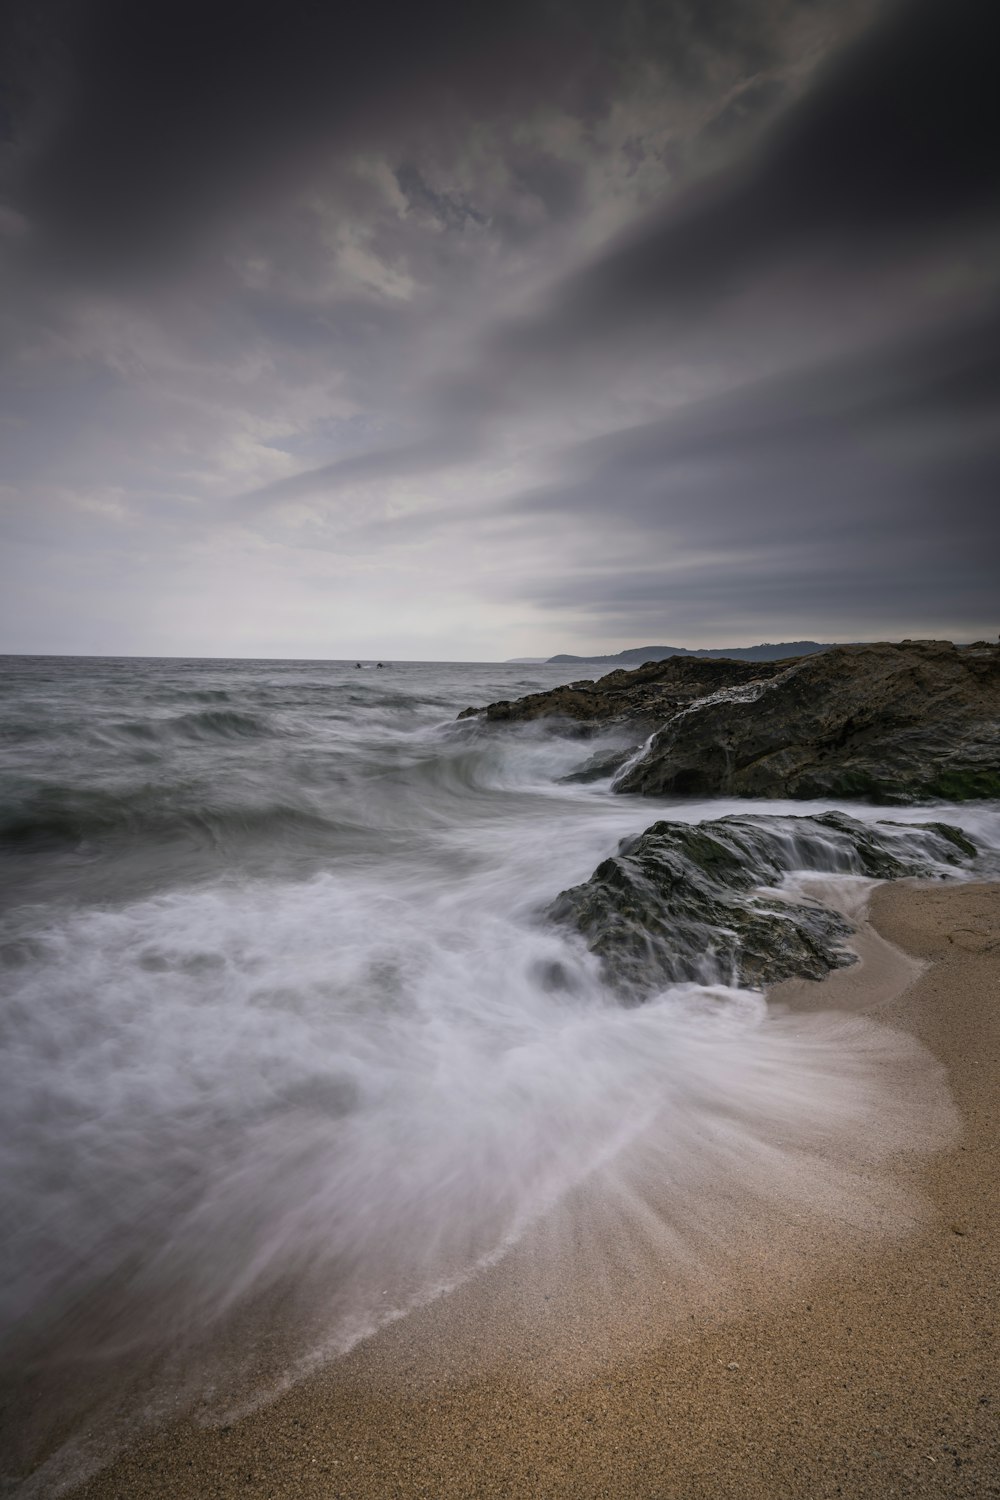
635,655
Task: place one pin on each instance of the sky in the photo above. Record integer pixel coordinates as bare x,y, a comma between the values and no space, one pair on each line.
468,331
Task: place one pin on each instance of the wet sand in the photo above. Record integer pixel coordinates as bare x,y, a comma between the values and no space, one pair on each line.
830,1365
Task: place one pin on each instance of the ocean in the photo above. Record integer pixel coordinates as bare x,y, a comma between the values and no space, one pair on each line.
286,1034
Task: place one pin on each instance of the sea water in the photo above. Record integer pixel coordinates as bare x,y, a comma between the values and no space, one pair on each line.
283,1018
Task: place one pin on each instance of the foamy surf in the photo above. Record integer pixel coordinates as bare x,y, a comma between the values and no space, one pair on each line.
272,1082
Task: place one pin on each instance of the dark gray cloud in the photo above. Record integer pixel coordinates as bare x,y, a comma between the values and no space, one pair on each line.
678,319
148,126
893,147
867,484
812,523
948,376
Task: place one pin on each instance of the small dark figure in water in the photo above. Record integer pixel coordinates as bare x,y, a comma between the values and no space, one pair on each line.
380,664
357,666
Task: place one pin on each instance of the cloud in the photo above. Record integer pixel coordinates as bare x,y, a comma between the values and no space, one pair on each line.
426,456
861,488
147,127
629,314
888,152
948,375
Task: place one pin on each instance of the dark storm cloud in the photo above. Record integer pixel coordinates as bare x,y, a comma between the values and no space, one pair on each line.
414,252
170,115
892,149
451,210
762,597
886,572
146,126
887,158
866,484
949,377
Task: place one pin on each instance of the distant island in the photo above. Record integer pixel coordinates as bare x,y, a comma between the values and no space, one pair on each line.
766,652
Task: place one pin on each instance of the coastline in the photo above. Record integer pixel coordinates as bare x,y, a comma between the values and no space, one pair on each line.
834,1366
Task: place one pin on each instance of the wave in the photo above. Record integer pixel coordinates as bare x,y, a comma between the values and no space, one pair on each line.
201,695
71,818
200,727
203,725
414,784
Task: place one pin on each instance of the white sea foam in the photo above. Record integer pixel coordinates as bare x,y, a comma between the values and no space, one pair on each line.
343,1088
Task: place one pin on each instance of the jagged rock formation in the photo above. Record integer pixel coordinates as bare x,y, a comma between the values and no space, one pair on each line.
644,697
885,722
678,903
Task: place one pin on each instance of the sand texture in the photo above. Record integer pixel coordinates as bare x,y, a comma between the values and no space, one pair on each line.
824,1364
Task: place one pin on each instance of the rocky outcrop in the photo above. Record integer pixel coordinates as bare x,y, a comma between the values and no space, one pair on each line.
643,698
682,902
885,722
600,766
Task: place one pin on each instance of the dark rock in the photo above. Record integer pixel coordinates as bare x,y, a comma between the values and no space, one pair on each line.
646,696
885,722
682,902
600,765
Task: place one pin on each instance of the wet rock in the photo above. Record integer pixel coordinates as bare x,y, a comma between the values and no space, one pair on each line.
683,902
598,767
890,722
646,696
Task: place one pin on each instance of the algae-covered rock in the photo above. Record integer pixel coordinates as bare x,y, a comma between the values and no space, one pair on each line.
683,902
885,723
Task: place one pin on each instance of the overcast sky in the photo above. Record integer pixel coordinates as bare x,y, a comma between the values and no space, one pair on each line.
468,331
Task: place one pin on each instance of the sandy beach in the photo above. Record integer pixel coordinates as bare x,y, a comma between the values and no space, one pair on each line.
824,1364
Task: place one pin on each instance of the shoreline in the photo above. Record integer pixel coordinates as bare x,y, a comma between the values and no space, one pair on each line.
831,1364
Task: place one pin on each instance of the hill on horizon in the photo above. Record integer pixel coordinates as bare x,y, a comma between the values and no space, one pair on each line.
768,651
